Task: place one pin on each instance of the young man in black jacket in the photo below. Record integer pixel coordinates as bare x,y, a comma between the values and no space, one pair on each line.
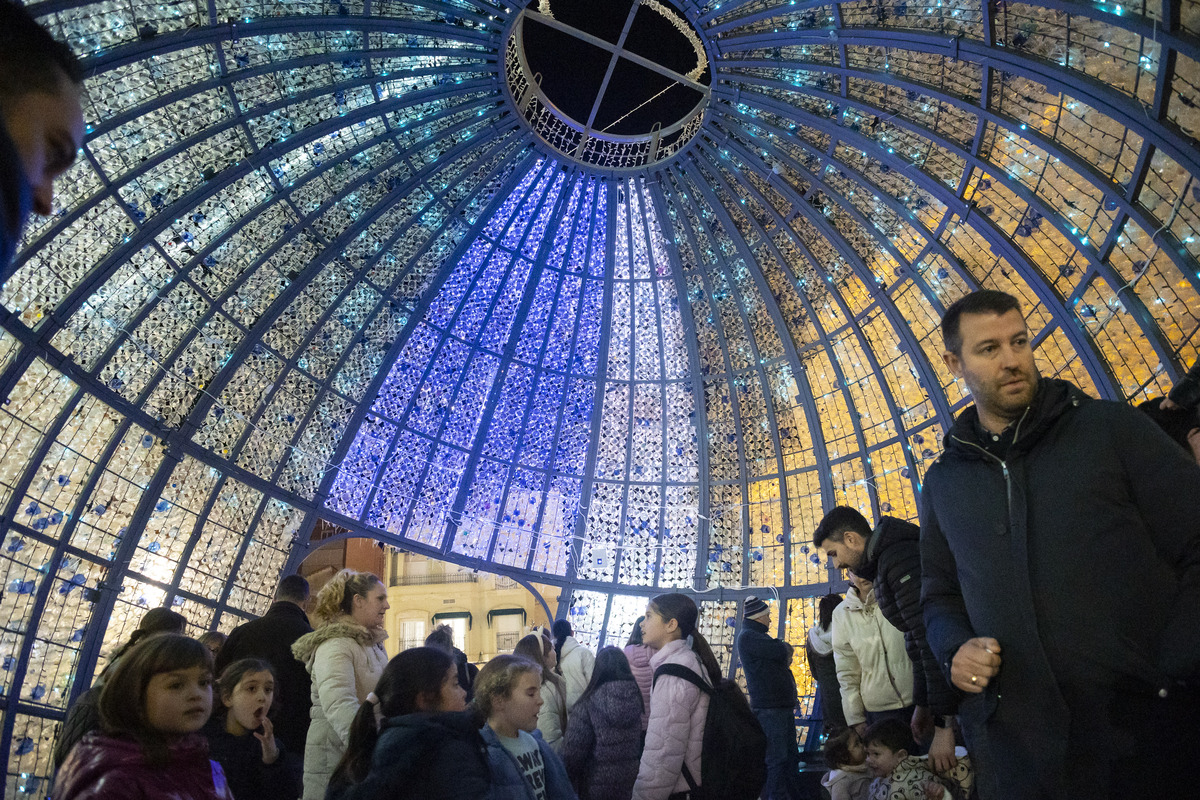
270,637
41,121
890,557
1060,553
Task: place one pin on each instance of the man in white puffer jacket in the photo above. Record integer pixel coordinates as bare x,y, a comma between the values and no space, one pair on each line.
873,668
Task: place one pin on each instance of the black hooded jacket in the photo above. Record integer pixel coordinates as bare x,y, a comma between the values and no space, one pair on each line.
894,559
1079,551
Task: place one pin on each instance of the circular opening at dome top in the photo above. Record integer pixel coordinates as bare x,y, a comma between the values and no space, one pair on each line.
620,84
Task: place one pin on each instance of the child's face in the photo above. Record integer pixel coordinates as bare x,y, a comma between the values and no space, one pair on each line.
881,761
519,709
179,702
858,751
657,631
250,700
453,696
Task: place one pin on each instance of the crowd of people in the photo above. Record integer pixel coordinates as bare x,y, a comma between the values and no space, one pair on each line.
1045,613
280,710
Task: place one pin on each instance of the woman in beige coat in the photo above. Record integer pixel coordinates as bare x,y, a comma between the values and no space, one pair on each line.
344,657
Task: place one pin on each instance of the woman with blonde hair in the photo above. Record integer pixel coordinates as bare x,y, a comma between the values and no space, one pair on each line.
345,657
552,718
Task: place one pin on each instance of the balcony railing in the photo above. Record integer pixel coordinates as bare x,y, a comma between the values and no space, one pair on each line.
429,580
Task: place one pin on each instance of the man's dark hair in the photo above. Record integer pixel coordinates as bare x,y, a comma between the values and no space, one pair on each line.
984,301
838,521
294,589
892,734
31,60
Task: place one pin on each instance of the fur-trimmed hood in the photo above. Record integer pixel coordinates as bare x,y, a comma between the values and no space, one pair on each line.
305,648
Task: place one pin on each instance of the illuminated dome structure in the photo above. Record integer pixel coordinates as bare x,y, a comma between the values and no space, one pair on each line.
363,262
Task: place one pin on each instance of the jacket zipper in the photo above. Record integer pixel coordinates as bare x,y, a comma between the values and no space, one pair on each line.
1008,490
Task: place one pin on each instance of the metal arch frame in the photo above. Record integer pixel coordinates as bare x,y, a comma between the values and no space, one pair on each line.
109,264
728,378
904,333
984,115
579,179
1099,96
1085,346
110,186
473,348
332,253
588,481
20,489
853,329
647,202
654,188
526,159
304,221
790,356
362,409
150,495
506,359
588,199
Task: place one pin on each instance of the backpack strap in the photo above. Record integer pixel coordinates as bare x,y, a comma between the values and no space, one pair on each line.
680,671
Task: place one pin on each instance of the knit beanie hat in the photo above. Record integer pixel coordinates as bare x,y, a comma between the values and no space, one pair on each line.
754,607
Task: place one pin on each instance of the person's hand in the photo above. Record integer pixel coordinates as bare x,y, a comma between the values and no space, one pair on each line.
934,790
922,724
267,737
860,729
941,752
975,664
1168,405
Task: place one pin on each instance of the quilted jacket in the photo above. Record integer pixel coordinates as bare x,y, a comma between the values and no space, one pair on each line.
552,718
424,757
603,745
676,732
576,665
639,662
345,661
103,767
873,668
895,554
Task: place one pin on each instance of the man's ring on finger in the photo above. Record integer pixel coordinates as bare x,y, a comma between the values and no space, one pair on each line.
974,679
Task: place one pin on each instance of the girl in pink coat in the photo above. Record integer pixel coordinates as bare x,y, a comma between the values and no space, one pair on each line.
675,733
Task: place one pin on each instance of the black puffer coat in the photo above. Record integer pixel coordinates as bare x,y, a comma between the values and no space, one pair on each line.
603,746
424,757
894,553
1080,553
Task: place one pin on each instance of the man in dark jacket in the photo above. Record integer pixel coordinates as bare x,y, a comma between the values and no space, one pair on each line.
1061,577
41,121
890,557
772,689
270,637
